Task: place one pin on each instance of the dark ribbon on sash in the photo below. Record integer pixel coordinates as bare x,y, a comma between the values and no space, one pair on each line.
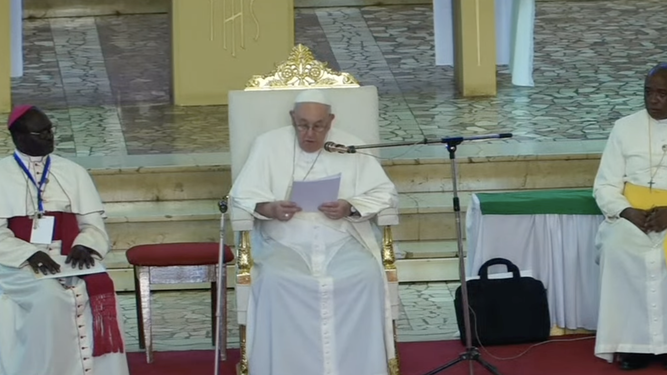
107,337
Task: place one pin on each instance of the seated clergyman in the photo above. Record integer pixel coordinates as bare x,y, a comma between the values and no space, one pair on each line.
631,190
319,302
49,210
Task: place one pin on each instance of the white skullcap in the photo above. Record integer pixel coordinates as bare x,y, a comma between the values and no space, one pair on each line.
313,96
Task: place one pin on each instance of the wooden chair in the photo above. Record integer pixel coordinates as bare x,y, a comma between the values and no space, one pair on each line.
178,263
274,93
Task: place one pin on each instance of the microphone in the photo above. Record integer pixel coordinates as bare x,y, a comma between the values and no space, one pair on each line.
335,147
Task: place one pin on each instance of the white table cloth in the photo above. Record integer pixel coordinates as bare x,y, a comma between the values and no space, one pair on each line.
515,24
558,249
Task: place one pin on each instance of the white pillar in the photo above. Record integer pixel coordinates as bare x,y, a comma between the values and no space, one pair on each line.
443,25
523,43
504,29
17,38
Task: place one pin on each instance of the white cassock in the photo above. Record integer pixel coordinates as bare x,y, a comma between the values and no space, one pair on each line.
633,298
46,325
319,303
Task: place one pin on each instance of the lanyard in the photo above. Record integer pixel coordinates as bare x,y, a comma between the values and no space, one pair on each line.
42,182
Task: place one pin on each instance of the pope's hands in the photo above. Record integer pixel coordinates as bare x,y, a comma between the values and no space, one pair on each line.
282,210
285,210
336,210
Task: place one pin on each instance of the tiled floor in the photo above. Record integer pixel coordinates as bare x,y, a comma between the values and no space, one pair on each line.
182,320
106,80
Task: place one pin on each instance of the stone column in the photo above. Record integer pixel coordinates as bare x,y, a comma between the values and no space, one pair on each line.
475,47
218,45
5,56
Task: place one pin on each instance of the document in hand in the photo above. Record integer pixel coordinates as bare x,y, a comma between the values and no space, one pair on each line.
66,270
309,195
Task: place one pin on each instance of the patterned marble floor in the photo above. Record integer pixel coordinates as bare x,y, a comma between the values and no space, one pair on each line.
105,80
182,320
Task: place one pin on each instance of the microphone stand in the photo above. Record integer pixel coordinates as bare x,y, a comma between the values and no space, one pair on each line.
220,333
471,353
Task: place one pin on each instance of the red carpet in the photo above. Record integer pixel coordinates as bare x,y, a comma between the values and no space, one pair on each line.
557,358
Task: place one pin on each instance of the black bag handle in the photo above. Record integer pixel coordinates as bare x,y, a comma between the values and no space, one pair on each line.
511,267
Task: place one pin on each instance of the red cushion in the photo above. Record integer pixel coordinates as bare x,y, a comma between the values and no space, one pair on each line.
177,254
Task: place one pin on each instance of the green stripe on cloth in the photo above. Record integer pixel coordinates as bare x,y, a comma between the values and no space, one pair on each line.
539,202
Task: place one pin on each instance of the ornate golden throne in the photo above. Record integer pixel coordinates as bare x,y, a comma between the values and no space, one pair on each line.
264,106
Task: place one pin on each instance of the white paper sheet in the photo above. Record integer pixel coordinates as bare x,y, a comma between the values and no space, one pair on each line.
309,195
66,270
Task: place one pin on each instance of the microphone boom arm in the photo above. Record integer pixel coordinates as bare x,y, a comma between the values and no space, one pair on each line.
426,141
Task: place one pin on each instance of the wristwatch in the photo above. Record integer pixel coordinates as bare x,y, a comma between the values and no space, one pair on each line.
354,212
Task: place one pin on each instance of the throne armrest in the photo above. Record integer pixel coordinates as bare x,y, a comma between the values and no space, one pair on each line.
241,220
387,217
242,223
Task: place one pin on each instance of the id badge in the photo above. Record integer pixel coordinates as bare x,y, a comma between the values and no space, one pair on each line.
42,230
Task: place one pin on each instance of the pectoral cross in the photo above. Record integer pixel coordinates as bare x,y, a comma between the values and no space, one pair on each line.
650,185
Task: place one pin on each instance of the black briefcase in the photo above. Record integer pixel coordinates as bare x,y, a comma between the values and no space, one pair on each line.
505,311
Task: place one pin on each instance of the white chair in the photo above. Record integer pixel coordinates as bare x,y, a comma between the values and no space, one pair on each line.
264,106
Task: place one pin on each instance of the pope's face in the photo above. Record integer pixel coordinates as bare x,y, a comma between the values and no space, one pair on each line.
655,95
312,122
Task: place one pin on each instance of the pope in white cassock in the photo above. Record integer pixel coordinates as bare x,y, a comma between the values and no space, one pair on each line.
50,207
319,302
631,190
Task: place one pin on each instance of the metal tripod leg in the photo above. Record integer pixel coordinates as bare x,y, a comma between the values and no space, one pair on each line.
471,355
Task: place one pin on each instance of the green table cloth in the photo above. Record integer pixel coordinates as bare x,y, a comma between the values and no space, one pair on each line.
539,202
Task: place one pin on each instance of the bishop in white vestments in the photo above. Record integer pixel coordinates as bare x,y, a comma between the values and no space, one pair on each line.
49,207
319,301
631,190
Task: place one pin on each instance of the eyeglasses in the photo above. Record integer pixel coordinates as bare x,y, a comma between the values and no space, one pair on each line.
318,128
43,134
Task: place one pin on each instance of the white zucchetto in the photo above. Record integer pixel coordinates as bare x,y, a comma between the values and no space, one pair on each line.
313,96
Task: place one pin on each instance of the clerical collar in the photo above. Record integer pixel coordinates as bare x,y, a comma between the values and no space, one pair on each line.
661,122
30,159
